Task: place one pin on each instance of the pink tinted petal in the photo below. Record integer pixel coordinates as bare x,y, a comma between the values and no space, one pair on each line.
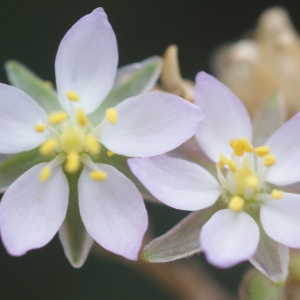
281,219
225,117
229,238
113,211
151,124
86,61
31,211
176,182
19,113
284,144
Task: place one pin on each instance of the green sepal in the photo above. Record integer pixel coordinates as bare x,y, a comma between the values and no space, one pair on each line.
24,79
15,165
269,118
72,234
182,240
256,286
271,258
131,80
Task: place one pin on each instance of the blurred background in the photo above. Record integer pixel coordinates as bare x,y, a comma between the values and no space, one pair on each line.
30,31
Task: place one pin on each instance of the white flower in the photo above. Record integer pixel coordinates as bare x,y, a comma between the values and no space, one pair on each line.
246,175
112,210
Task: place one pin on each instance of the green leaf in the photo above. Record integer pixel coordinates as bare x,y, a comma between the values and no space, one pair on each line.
130,81
182,240
271,258
269,118
255,286
15,165
24,79
72,234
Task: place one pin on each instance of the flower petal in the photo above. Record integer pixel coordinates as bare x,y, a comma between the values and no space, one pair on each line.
225,117
176,182
131,80
229,238
86,61
151,124
182,240
31,211
271,258
120,163
113,211
284,144
281,219
18,116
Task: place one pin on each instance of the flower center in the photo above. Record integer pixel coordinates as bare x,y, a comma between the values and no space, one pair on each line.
245,174
242,178
73,139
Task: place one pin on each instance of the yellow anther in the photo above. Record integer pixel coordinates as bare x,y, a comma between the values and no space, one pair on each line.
93,146
98,175
45,173
111,115
277,194
109,153
246,145
40,127
222,162
72,164
237,147
48,147
262,151
81,117
48,84
232,165
72,139
269,160
57,117
252,181
236,203
72,96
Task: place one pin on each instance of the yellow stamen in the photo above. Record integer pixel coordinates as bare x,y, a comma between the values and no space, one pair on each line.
277,194
109,153
57,117
48,84
252,181
40,127
269,160
81,117
222,162
237,147
72,96
45,173
236,203
246,145
232,165
111,115
48,147
262,151
98,175
72,164
93,146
